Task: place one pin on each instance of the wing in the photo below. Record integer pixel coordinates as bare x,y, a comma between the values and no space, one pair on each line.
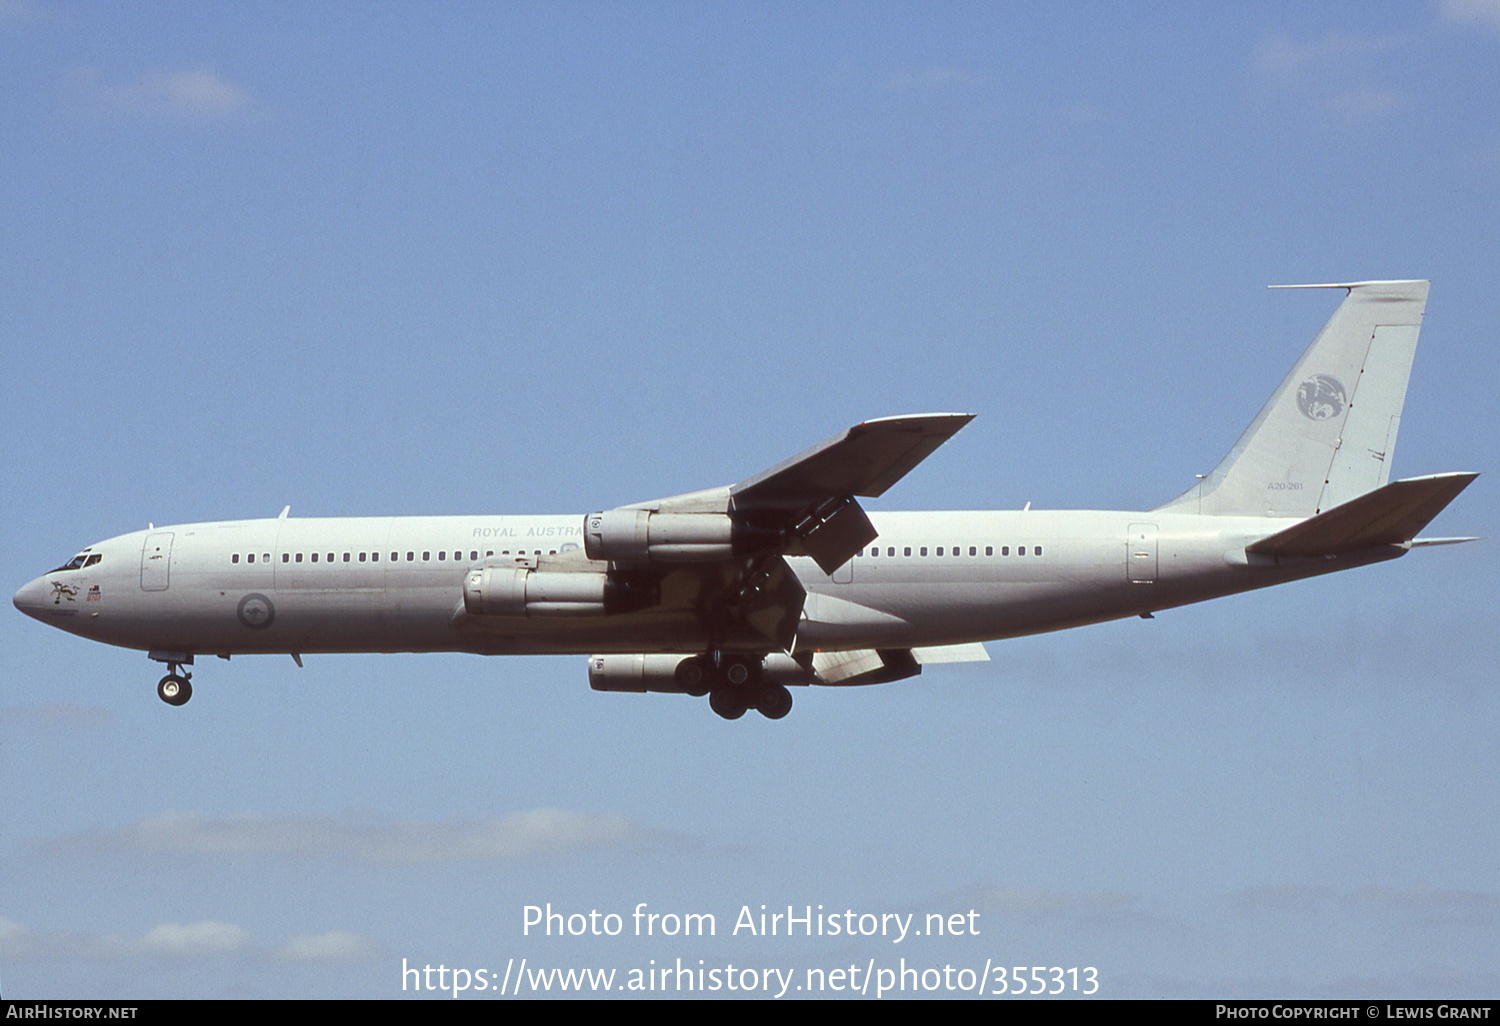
809,501
733,540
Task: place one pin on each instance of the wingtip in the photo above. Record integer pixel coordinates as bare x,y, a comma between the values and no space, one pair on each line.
928,417
1356,284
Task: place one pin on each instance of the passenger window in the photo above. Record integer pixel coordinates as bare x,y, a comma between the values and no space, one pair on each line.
426,556
940,550
1005,550
361,557
890,550
474,554
299,557
923,551
989,550
458,555
235,558
442,556
315,557
1036,550
411,557
250,558
907,550
973,550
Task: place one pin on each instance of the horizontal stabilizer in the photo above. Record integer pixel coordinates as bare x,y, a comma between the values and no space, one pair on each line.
1390,515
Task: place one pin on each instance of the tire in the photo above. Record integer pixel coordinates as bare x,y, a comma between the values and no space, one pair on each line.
174,690
691,677
728,702
774,702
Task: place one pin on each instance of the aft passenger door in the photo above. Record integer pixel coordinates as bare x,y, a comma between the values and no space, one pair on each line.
1140,554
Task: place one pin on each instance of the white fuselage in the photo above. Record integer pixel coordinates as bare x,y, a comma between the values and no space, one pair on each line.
395,584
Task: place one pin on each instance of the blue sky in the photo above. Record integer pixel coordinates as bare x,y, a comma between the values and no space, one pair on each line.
451,258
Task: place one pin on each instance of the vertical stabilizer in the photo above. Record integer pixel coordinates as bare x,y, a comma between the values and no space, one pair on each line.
1328,433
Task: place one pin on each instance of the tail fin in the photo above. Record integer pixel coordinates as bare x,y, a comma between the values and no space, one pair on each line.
1328,433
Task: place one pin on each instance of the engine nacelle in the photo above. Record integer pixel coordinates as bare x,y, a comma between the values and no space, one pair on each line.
655,671
518,591
641,536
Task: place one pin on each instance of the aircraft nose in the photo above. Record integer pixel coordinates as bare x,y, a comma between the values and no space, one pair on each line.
30,599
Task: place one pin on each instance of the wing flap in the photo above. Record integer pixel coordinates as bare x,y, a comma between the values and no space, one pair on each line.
973,652
865,666
1389,515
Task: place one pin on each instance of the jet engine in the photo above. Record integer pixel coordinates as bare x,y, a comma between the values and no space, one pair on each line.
519,591
656,671
641,536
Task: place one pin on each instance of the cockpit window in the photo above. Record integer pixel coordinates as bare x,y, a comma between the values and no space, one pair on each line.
80,560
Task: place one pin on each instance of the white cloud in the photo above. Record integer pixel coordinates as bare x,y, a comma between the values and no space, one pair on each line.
15,939
1472,12
1360,104
1282,55
15,14
205,938
333,946
1017,901
536,832
63,713
193,94
1335,73
180,940
937,77
1417,903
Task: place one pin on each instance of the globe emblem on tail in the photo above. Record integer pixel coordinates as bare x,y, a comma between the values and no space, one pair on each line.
1321,397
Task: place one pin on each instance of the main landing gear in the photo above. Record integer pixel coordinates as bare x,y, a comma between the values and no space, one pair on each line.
733,685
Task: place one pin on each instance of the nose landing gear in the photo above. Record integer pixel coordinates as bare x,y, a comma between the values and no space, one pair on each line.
174,689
